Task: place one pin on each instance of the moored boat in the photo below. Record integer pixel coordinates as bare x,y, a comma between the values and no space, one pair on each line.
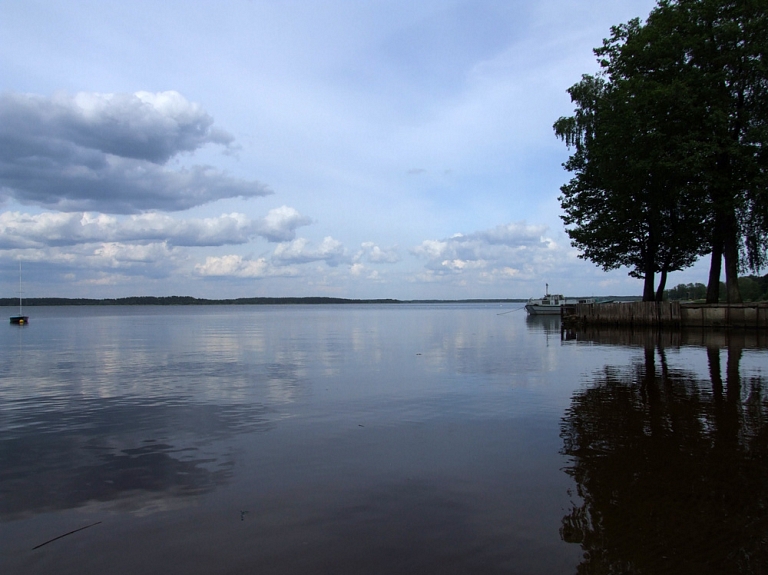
20,319
552,304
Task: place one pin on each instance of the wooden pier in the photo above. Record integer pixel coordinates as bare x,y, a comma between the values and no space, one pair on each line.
667,314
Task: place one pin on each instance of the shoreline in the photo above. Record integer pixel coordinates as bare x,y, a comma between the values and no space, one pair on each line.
188,300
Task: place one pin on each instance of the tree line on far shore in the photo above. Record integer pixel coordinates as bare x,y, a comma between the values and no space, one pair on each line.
669,146
752,288
185,300
189,300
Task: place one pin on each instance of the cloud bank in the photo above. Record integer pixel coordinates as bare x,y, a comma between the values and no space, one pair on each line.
50,229
109,153
301,251
239,267
513,250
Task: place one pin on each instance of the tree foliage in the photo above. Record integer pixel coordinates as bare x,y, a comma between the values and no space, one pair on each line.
725,44
626,204
695,291
752,288
669,144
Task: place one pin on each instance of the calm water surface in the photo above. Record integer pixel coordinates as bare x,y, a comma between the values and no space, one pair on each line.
376,439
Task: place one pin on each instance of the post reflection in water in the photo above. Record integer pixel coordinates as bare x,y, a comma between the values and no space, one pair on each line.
671,467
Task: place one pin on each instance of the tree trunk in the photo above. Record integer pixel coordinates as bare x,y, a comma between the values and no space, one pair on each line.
713,286
662,283
649,273
731,254
733,294
648,293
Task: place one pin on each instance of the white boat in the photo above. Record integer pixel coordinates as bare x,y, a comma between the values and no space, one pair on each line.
552,304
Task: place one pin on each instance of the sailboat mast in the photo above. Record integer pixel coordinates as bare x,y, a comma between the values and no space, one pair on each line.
20,288
19,319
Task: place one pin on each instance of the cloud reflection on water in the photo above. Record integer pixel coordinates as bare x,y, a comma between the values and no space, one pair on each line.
62,457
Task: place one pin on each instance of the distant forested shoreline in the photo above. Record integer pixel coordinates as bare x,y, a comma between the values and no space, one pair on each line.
188,300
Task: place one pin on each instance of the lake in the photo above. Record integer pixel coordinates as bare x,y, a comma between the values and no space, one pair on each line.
404,438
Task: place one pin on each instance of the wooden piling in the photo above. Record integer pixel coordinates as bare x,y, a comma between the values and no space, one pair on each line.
668,314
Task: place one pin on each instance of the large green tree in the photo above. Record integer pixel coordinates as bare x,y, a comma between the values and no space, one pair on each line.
681,103
628,203
721,48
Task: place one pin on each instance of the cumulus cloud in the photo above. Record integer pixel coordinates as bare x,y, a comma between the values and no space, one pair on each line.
107,152
301,251
431,249
280,224
18,230
118,254
512,250
237,266
115,259
143,125
374,254
359,270
282,262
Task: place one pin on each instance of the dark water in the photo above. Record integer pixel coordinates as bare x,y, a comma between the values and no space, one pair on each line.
365,439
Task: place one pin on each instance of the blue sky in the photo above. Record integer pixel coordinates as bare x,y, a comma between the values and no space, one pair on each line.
262,148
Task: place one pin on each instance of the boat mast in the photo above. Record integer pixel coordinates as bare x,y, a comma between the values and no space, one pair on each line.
20,314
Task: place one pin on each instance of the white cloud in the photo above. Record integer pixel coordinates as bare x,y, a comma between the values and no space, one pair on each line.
358,270
237,266
515,234
118,254
105,152
280,224
461,265
301,251
508,251
20,230
430,249
374,254
83,263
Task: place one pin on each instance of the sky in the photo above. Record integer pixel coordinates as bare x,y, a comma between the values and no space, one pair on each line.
357,149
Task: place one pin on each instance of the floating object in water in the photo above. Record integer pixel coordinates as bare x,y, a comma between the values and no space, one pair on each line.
60,536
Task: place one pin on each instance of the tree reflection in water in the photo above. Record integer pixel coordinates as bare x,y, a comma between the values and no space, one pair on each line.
671,469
